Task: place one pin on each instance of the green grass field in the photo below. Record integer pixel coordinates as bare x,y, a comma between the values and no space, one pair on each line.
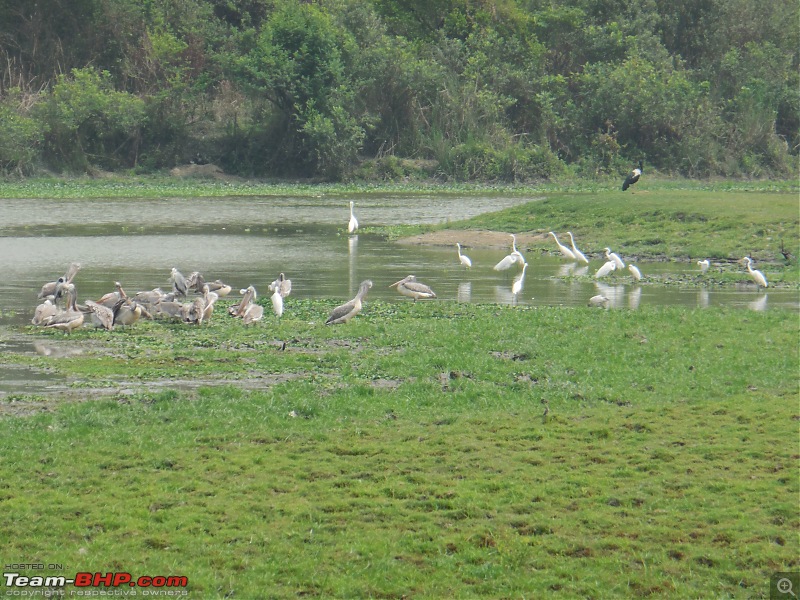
408,454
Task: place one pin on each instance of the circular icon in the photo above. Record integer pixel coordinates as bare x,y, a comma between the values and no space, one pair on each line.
785,586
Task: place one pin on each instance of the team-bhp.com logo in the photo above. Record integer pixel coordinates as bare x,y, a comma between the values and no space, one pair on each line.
86,582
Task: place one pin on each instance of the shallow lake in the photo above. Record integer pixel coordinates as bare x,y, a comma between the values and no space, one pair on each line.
250,240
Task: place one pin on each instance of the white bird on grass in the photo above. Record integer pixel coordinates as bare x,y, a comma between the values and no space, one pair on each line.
599,300
578,254
565,252
755,274
277,302
465,260
345,312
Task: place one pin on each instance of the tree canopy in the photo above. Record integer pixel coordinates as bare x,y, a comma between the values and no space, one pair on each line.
477,89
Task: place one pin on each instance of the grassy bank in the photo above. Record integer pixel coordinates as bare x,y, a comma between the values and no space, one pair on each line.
408,454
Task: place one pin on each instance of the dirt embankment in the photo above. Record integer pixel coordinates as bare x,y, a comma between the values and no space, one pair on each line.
472,238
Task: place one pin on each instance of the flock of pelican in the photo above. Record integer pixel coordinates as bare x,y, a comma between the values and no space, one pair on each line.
59,308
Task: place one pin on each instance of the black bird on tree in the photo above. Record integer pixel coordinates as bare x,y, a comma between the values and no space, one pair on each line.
632,177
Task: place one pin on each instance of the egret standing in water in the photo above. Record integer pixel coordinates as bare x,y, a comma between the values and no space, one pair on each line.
578,254
514,257
613,256
755,274
703,264
607,268
465,260
352,226
519,281
409,286
345,312
635,273
565,252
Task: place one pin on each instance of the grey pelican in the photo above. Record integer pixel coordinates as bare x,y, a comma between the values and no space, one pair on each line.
179,285
578,254
755,274
169,308
209,300
514,257
632,177
69,319
599,300
281,285
102,316
197,281
615,257
252,313
44,311
111,298
703,264
465,260
565,252
48,289
345,312
605,269
248,297
128,312
635,272
352,226
409,286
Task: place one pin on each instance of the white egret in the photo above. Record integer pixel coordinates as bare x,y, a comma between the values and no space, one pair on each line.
511,259
607,268
615,257
277,303
704,264
352,226
565,252
755,274
345,312
519,281
409,286
578,254
632,177
635,273
465,260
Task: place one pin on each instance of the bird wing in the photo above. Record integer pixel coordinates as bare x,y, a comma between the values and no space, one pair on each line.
420,288
506,263
104,314
340,312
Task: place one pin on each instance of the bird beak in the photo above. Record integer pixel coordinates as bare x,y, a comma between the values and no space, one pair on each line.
397,282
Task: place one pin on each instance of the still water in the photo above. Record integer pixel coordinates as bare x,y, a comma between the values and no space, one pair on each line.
246,241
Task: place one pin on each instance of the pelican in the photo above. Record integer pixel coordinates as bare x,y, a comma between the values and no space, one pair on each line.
69,319
252,313
179,284
345,312
755,274
102,316
209,299
352,226
170,308
409,286
519,281
514,257
615,257
599,300
703,264
282,285
277,302
48,289
44,311
565,252
128,313
635,273
465,260
578,254
248,297
111,298
632,177
605,269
